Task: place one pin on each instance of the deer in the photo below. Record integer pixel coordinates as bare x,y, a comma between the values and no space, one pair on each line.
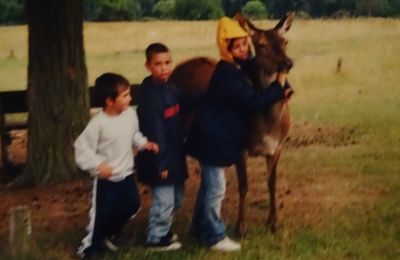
269,128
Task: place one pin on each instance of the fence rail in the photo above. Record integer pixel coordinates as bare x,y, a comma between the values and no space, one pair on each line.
12,102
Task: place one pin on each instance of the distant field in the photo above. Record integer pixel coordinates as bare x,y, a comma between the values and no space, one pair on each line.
120,47
339,177
117,47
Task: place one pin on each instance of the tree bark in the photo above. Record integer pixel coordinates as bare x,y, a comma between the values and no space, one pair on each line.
57,88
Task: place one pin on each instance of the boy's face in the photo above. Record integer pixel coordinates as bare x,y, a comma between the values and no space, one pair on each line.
121,102
160,66
240,48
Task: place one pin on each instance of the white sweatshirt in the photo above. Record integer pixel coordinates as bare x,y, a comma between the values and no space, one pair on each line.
109,139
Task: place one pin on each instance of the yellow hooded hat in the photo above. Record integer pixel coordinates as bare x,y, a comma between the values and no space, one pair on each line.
228,29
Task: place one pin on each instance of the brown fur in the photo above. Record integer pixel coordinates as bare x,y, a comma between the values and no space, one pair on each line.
193,75
268,129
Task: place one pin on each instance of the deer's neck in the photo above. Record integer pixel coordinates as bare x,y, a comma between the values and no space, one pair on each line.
265,80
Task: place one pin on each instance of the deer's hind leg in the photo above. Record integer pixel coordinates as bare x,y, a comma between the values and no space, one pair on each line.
272,163
241,171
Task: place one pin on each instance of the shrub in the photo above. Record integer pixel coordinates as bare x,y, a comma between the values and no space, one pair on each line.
112,10
255,9
12,11
198,9
164,9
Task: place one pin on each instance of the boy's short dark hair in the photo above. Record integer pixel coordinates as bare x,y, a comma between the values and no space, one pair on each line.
109,85
155,48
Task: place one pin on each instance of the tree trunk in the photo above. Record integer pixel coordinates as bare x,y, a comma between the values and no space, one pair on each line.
57,88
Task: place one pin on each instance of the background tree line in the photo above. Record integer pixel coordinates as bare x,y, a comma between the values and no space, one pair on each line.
13,11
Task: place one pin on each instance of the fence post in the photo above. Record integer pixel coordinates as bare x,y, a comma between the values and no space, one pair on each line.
3,133
20,231
339,65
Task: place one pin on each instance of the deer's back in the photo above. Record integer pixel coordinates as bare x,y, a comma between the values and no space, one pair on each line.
193,76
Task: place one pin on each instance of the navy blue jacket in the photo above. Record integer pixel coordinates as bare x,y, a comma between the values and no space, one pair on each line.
218,131
160,121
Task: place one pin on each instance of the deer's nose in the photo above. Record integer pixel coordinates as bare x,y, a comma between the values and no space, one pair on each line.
289,63
285,65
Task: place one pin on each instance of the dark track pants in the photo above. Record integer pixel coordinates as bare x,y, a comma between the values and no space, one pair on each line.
113,204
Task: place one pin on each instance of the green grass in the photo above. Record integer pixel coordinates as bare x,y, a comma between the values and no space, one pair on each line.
344,183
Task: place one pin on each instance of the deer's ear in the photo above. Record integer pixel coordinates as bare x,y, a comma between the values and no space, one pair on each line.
245,24
284,25
258,38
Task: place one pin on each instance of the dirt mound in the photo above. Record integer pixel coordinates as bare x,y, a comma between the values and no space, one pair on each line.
304,134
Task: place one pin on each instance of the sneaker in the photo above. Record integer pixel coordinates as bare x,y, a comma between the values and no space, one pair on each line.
226,245
90,253
109,243
171,236
166,246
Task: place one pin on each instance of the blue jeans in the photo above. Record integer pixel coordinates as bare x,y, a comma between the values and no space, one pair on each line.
207,224
166,200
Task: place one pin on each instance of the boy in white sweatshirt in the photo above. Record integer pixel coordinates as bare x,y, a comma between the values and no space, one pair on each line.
104,149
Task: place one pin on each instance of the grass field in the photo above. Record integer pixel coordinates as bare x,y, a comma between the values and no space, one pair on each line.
339,176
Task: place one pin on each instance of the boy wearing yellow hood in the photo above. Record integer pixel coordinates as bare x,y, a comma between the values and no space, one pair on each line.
218,131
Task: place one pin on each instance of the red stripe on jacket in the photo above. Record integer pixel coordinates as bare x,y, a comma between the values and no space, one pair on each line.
171,111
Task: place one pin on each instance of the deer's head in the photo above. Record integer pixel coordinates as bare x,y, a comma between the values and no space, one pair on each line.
270,47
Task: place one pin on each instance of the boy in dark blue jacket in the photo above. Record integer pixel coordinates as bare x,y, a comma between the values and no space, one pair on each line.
165,173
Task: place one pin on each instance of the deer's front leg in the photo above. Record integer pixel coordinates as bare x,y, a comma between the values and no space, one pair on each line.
241,172
272,162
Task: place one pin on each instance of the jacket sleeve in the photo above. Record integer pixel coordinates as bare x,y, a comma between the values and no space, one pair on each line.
240,91
85,149
138,140
153,125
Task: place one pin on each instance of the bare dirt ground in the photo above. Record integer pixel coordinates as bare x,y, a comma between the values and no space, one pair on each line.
306,201
66,205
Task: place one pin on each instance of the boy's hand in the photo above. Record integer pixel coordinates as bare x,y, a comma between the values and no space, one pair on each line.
164,174
281,78
105,170
151,146
288,91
